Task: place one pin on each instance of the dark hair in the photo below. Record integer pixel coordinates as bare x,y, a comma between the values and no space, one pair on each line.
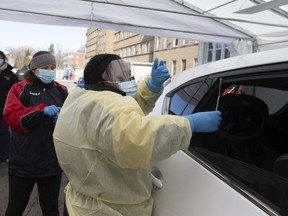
3,55
96,66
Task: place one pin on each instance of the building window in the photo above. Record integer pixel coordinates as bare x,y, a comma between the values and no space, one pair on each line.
173,67
217,51
175,44
148,47
166,43
158,43
145,47
133,50
185,42
183,67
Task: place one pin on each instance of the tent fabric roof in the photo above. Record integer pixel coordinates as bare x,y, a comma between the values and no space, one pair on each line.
206,20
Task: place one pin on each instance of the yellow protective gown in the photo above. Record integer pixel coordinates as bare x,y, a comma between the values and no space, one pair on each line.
106,145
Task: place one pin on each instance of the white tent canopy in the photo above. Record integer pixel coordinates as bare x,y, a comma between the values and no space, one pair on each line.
202,20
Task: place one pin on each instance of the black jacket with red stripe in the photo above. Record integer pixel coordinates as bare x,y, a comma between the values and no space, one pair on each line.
32,152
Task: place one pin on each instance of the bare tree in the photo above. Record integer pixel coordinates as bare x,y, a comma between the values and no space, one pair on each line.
20,56
27,57
60,59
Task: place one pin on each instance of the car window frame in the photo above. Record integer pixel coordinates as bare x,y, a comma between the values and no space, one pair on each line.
222,78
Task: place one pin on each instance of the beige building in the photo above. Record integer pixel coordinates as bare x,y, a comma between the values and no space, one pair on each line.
178,54
99,41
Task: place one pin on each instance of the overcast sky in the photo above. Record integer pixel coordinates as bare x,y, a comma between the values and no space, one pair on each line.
16,34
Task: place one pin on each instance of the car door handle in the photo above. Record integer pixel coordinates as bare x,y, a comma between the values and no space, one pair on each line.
157,178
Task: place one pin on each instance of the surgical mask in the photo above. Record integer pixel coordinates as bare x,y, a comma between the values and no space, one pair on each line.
46,76
1,62
129,87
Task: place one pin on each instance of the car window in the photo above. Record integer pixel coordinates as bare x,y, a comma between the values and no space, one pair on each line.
184,101
274,98
250,148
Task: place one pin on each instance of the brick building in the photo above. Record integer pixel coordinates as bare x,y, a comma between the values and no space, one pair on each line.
74,60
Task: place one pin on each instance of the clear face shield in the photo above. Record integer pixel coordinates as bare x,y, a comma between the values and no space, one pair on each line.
118,75
117,71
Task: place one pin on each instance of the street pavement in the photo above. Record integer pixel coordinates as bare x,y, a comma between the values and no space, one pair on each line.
33,207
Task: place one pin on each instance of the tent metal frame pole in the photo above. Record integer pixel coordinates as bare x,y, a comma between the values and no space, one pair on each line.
114,23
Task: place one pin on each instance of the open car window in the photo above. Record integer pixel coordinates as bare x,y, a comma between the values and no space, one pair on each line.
250,148
185,100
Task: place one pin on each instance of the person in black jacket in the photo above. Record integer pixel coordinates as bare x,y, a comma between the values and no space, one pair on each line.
31,111
7,79
20,73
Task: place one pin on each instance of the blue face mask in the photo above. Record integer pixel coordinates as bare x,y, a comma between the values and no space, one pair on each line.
46,76
1,62
129,87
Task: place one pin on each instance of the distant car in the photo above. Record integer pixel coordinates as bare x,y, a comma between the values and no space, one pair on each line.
80,82
242,169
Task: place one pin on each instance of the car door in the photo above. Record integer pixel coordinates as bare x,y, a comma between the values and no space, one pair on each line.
232,171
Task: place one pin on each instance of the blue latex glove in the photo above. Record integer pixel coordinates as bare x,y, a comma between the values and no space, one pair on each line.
159,75
205,121
55,118
51,110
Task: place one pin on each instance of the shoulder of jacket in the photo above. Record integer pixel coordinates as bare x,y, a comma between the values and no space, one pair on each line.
61,86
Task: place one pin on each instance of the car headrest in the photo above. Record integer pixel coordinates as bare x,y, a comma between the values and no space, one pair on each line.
243,116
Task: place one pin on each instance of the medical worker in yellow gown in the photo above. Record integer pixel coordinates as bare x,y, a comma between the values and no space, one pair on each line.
106,143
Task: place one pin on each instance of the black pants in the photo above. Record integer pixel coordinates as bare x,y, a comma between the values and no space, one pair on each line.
20,190
4,140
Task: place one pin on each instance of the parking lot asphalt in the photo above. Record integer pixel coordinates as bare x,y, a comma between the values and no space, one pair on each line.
33,207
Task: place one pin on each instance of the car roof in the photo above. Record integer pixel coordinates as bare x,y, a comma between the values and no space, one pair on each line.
238,62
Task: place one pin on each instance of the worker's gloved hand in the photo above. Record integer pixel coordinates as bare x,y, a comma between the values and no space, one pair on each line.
205,121
159,75
51,110
55,118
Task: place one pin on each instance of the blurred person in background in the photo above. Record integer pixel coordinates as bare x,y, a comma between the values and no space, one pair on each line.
7,79
111,144
31,111
20,73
